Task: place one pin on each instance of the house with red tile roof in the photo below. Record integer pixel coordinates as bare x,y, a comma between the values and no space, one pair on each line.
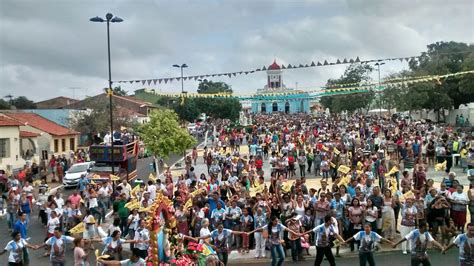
14,144
52,138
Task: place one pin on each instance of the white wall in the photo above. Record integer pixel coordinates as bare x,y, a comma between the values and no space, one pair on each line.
14,161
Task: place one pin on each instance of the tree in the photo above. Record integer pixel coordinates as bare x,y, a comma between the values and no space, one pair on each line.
210,87
4,105
117,91
162,135
444,58
22,103
354,74
97,120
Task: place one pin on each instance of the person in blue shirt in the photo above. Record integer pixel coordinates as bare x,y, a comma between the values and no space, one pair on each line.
82,184
212,201
351,188
21,225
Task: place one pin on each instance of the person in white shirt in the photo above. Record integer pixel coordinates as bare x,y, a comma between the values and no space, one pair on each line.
142,236
465,243
57,245
419,239
459,201
323,235
368,240
126,187
16,247
133,223
152,190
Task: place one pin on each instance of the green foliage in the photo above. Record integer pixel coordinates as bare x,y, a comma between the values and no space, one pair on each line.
22,103
444,58
162,134
117,91
210,87
98,120
4,105
355,73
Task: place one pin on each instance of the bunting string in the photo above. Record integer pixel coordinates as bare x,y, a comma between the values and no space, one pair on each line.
317,93
288,66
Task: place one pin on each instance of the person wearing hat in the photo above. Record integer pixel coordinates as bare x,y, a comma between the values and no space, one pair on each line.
408,223
294,223
90,229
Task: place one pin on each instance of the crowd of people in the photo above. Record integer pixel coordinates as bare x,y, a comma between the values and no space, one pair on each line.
373,185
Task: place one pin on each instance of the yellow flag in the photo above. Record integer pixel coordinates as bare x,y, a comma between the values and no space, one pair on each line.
79,228
188,204
441,166
344,169
152,177
336,151
114,178
360,165
333,165
286,187
407,195
257,189
325,148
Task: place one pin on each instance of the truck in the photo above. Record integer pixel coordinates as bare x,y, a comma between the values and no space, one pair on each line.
124,162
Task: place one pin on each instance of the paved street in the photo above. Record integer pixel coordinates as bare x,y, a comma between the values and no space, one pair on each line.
381,259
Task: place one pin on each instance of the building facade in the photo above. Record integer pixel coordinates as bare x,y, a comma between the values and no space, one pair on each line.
276,97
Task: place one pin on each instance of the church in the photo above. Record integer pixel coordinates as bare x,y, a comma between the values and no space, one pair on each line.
276,97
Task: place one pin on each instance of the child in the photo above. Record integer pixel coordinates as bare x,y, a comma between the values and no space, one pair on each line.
448,233
305,243
246,220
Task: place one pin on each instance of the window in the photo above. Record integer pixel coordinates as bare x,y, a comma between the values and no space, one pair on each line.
63,145
72,144
5,148
56,145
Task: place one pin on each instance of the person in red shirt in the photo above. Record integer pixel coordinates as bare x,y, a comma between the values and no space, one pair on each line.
259,165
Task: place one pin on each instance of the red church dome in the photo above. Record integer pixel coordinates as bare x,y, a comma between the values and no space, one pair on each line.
274,66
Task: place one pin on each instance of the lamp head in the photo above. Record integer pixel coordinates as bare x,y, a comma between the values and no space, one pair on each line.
116,20
109,16
97,19
184,65
176,66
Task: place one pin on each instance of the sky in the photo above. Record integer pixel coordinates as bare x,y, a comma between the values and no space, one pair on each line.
49,48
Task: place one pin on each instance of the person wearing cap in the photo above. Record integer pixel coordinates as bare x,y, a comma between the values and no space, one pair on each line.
408,223
90,229
294,223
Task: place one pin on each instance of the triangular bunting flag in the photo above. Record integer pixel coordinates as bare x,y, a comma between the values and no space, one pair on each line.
219,75
283,67
401,59
258,69
143,82
166,81
131,81
407,59
306,65
229,74
313,64
338,61
213,75
289,66
178,79
154,81
246,72
264,68
351,61
319,63
160,80
149,82
345,61
235,74
357,60
137,81
301,65
326,62
185,78
196,78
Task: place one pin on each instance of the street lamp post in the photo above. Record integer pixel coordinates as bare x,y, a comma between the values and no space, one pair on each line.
109,18
182,81
378,64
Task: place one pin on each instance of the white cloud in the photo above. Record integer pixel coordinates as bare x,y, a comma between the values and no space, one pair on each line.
51,46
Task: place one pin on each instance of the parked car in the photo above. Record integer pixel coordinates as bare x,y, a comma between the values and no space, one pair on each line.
74,173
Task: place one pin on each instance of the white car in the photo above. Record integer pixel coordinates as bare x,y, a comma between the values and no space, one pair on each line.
74,173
